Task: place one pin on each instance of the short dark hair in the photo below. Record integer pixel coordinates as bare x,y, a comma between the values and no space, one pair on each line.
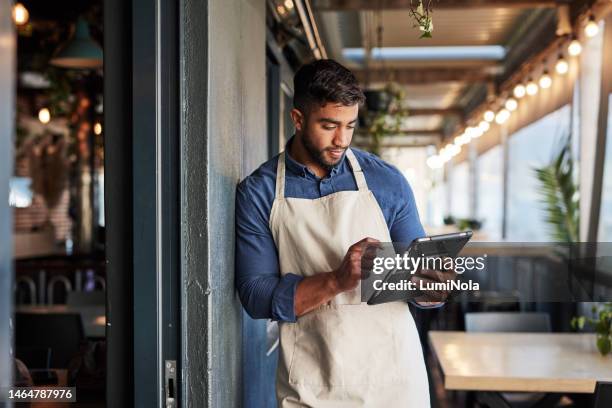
323,81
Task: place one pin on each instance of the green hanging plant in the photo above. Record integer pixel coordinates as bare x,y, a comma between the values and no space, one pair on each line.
387,122
560,194
422,16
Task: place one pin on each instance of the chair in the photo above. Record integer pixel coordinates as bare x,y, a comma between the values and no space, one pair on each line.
60,332
507,322
603,395
510,322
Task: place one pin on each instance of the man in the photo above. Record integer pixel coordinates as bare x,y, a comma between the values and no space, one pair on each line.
302,220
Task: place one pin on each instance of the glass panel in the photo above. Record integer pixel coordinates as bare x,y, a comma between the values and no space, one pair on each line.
605,214
460,180
531,147
490,193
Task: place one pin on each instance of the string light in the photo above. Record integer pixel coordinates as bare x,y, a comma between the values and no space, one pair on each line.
97,128
562,67
21,15
453,149
462,139
531,88
519,91
545,80
502,116
511,104
591,29
44,116
474,132
574,48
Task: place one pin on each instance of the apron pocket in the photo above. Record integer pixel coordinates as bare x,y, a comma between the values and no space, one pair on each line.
349,345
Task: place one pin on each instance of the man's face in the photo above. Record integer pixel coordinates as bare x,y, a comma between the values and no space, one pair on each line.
327,131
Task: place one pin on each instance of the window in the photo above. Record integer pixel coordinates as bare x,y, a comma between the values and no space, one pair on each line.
605,212
460,190
531,147
490,204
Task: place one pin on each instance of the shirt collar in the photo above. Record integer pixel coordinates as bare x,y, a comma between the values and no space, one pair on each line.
298,168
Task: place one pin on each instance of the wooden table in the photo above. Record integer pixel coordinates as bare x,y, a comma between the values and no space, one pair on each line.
527,362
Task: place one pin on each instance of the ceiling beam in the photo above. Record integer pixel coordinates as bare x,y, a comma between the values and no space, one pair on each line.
455,111
420,132
416,76
338,5
398,140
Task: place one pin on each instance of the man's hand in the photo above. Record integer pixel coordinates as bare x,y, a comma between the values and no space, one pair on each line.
433,297
359,256
320,288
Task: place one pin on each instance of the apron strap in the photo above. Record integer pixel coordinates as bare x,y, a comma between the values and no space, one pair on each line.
362,185
280,177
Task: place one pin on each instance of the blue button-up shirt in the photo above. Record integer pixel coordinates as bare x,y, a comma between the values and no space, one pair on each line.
263,291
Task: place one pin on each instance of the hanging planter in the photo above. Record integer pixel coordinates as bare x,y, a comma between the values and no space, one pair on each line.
378,100
421,12
385,122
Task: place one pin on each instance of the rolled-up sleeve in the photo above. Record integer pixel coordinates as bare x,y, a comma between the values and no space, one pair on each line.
263,292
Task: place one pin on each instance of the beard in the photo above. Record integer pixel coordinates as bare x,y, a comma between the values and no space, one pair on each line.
318,155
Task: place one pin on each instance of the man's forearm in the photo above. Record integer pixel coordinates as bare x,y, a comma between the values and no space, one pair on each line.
314,291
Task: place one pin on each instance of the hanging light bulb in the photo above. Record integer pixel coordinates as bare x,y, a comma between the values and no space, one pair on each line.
453,149
562,67
20,14
511,104
489,116
484,125
44,116
444,154
462,139
476,132
502,116
591,29
545,80
574,48
519,91
435,162
531,88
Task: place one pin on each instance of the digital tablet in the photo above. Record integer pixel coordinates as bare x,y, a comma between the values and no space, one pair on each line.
440,246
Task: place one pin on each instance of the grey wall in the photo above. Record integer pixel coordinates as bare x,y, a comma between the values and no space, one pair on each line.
7,120
223,134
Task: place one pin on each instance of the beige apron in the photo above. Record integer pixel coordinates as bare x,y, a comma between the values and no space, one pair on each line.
345,353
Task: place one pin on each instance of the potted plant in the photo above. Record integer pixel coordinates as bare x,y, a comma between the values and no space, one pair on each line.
601,323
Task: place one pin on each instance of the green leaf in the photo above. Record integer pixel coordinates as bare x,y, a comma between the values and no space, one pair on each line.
578,322
559,194
601,327
604,345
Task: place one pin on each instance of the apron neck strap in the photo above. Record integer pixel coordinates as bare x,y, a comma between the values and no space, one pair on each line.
280,176
362,185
